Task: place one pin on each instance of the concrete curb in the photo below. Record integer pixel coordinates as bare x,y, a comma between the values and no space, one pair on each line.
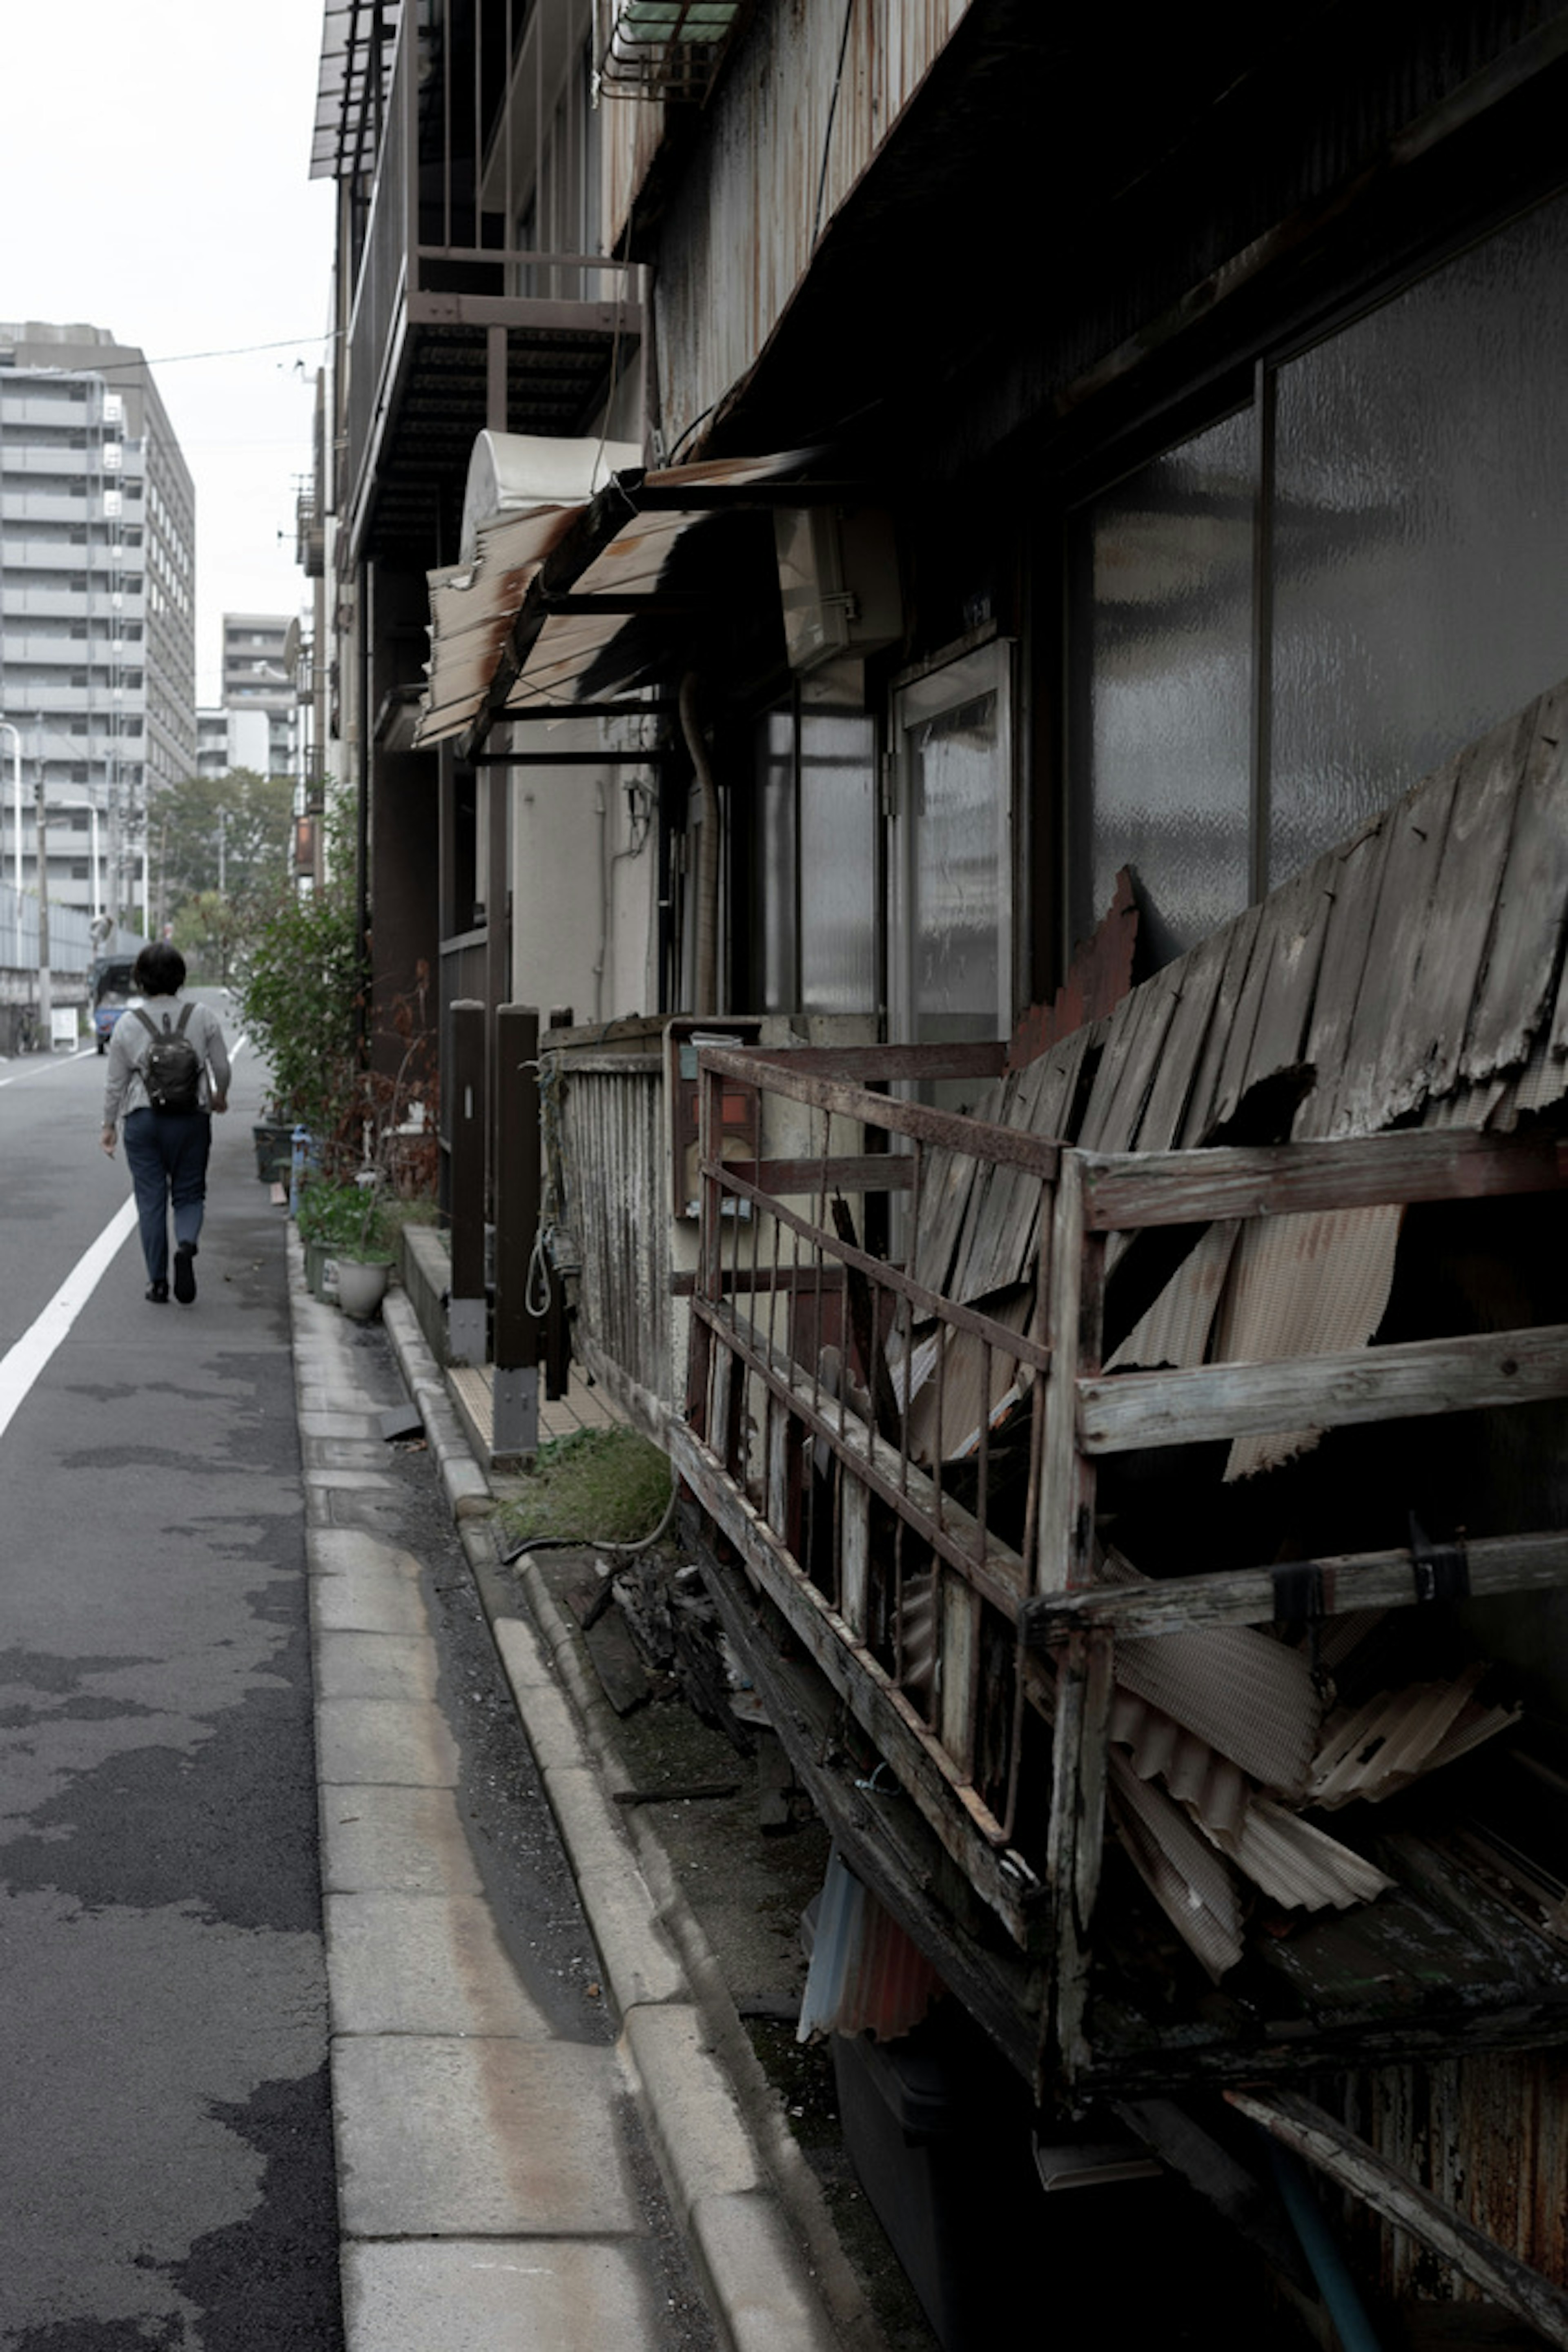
753,2214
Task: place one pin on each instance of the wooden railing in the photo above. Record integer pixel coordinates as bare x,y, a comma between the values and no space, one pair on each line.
910,1477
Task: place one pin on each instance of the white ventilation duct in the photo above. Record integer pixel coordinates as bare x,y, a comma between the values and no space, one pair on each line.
509,473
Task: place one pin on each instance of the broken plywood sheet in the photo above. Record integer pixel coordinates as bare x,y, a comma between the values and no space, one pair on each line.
1001,1228
1175,1330
1513,998
1246,1694
1417,829
949,1376
1440,948
1195,980
947,1184
1134,1038
1184,1872
1296,1864
1099,976
1352,881
1292,950
1372,1751
1302,1286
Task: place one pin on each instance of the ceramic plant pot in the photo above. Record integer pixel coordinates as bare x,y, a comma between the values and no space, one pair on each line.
361,1284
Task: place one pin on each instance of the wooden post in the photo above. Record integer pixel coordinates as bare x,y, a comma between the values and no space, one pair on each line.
467,1332
557,1330
515,1425
1075,1276
709,1275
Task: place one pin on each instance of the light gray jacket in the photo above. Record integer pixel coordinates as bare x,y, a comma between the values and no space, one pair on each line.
123,1090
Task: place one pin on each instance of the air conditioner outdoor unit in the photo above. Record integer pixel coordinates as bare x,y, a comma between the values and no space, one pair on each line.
838,579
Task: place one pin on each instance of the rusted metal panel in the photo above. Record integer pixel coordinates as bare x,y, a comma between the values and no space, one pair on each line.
797,111
1383,2186
610,1126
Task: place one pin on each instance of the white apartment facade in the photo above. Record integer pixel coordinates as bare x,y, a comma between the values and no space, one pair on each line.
97,612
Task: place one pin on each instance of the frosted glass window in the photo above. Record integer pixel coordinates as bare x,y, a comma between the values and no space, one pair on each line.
955,919
838,822
1420,532
1161,725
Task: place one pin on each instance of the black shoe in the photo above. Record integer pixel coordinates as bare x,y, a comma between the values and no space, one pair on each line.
184,1273
157,1294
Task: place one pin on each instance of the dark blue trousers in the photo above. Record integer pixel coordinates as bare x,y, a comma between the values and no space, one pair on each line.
167,1154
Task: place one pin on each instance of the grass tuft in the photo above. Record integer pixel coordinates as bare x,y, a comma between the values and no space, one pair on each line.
597,1486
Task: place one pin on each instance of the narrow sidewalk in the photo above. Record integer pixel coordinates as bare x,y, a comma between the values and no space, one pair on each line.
483,2182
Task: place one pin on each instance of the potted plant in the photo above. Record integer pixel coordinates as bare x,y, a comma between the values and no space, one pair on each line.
365,1261
332,1221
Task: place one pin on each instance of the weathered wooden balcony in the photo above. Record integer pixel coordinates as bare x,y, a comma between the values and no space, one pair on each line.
904,1480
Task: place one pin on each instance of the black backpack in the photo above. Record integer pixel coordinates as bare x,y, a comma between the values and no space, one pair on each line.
170,1067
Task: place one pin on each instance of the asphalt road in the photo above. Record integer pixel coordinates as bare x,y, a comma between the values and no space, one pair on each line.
166,2167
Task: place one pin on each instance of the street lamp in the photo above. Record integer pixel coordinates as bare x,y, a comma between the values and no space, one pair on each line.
15,734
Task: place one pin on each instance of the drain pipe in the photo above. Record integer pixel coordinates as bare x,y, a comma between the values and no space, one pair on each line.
707,977
1327,2264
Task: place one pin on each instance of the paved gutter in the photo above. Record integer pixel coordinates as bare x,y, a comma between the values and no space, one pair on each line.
751,2210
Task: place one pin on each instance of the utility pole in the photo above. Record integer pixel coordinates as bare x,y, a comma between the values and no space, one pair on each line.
46,997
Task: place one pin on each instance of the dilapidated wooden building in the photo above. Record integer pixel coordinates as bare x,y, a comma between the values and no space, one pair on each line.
840,502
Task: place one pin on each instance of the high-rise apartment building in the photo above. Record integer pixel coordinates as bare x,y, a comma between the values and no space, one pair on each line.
259,675
96,610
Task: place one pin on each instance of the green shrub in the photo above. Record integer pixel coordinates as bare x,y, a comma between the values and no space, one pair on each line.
302,990
346,1218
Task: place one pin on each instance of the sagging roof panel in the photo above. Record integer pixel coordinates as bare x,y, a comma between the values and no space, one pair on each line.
491,615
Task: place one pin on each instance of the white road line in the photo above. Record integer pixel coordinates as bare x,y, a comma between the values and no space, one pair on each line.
55,1062
20,1367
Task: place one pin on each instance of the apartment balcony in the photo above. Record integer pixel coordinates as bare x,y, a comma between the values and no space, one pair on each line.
461,319
54,458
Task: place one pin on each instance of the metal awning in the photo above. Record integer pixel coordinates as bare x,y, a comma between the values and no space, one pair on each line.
521,626
664,49
359,39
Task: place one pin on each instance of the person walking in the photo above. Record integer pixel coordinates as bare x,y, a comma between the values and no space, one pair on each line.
168,1072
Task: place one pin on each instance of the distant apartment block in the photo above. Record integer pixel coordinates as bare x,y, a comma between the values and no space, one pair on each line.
97,611
260,662
235,739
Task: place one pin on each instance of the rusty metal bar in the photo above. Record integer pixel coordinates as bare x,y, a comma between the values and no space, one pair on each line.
861,1448
930,1302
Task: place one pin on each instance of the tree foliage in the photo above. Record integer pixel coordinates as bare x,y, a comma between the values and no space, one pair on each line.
233,829
301,987
209,929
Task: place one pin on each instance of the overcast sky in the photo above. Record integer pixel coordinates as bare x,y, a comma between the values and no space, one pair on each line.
153,181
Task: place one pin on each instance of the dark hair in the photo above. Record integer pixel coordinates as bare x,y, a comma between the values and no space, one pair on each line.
160,970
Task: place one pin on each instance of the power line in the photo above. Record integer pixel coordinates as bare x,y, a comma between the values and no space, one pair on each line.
176,359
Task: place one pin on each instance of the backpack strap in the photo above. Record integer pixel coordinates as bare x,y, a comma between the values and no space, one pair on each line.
151,1027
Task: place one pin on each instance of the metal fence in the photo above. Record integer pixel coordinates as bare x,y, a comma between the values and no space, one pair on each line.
72,951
